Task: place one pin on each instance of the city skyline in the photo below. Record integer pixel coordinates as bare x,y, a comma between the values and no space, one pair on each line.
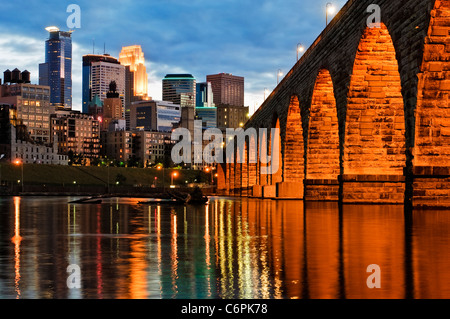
253,45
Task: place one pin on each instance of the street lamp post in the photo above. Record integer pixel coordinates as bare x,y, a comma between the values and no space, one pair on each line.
212,175
163,182
300,48
174,174
330,9
108,178
19,162
279,74
210,170
1,157
109,164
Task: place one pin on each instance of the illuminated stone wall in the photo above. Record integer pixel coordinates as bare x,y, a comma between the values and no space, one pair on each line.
364,114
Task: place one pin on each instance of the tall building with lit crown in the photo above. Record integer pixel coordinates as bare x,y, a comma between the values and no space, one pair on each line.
56,72
133,56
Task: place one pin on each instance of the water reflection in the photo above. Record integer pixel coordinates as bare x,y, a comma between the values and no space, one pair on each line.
231,248
16,240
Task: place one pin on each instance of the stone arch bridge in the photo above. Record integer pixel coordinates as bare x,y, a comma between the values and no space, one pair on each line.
363,116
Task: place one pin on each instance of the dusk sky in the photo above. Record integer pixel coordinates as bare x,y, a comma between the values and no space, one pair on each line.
247,38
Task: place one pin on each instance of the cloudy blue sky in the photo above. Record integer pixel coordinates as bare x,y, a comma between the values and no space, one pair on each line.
250,38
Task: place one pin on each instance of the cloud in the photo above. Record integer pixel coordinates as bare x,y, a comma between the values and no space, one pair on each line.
247,38
17,51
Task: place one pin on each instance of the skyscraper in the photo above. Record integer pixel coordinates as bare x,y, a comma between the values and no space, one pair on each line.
133,56
154,115
98,72
56,72
180,89
205,109
205,96
228,89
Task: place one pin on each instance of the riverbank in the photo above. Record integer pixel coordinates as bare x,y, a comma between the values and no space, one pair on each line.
34,174
55,180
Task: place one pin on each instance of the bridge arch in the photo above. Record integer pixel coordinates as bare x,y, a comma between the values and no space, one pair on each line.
375,141
375,120
276,175
431,152
432,133
221,178
323,153
294,148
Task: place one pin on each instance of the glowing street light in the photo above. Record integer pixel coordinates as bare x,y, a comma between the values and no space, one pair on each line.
159,168
266,93
279,74
214,168
211,169
1,157
300,49
330,10
109,164
20,163
174,174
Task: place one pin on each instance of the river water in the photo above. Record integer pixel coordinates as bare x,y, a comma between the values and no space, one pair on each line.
231,248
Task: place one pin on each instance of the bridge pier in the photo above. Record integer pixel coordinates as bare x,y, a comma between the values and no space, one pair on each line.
373,189
269,191
257,191
322,189
290,190
431,187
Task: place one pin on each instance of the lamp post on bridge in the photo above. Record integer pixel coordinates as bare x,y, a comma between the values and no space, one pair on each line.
300,48
266,93
330,10
279,74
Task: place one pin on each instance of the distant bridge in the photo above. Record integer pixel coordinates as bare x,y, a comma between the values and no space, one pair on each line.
364,115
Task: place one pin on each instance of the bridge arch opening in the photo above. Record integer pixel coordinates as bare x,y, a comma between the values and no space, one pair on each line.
294,149
264,153
323,154
375,121
252,160
276,164
221,178
323,133
375,142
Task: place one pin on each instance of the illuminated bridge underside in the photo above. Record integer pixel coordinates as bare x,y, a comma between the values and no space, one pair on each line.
364,116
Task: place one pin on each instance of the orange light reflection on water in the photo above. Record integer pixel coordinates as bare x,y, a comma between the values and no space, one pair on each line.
17,239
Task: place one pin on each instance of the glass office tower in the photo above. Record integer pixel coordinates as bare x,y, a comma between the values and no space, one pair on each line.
56,72
180,89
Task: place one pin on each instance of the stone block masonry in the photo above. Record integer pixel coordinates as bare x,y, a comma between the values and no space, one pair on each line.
365,110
